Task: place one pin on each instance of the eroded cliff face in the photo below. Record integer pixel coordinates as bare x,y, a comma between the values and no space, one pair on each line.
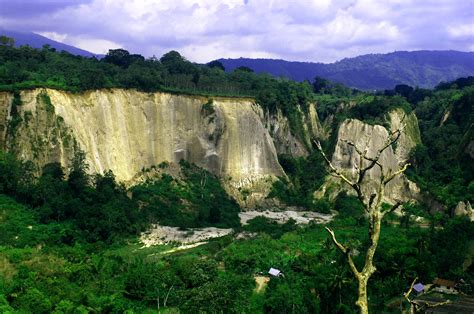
126,131
286,142
373,137
5,107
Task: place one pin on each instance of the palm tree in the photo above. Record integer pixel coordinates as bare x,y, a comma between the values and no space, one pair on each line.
338,279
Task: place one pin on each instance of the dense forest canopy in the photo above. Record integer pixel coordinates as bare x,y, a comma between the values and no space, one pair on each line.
68,239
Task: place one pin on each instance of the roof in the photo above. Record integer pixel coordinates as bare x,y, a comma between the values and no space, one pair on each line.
274,272
444,282
419,287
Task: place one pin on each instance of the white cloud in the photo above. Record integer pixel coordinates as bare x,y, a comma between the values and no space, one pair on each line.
466,30
307,30
95,45
54,36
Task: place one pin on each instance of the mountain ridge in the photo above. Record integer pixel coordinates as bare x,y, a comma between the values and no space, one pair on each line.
375,71
422,68
38,41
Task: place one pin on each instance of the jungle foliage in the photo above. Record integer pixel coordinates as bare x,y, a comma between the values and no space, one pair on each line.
68,240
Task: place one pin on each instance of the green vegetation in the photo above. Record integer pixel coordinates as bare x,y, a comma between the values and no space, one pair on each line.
97,209
442,164
306,175
40,274
16,119
197,199
68,243
25,67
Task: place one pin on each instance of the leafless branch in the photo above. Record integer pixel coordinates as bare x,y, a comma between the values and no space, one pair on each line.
372,204
407,294
393,208
396,173
334,170
420,304
345,251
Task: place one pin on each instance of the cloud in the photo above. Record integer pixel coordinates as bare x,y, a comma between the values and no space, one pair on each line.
33,8
306,30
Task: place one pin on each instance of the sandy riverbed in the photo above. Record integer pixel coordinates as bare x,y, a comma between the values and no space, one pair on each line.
158,235
301,217
164,234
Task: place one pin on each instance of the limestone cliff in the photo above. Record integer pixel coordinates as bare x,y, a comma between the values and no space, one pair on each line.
286,141
464,209
126,131
5,105
374,136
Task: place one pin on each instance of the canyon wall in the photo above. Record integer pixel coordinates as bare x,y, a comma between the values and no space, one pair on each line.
126,131
373,137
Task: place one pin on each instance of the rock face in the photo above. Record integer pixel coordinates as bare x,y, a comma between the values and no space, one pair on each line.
286,142
373,137
5,100
464,209
126,131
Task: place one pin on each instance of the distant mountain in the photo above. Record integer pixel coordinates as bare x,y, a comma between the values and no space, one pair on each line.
373,71
38,41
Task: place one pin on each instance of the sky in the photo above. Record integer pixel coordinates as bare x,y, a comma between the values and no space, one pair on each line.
204,30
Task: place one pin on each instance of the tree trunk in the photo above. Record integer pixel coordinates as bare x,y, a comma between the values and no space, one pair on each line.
362,302
373,210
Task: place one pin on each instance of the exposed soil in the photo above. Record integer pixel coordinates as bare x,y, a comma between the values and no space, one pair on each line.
166,235
301,217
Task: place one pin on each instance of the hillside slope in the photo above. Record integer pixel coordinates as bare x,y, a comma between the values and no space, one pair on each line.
374,71
38,41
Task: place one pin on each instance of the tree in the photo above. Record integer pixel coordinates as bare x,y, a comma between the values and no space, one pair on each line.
78,178
372,207
404,90
7,41
321,85
177,64
118,57
216,64
244,69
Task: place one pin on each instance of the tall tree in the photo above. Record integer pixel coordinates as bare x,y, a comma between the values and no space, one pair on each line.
372,203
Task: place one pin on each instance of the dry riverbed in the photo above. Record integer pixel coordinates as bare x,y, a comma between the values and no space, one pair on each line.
184,239
301,217
168,235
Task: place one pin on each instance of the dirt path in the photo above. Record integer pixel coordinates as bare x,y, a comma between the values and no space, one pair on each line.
262,282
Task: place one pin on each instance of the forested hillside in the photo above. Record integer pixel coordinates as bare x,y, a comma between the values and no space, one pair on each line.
37,41
69,239
371,72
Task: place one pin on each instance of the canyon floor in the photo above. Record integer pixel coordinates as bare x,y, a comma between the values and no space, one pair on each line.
185,239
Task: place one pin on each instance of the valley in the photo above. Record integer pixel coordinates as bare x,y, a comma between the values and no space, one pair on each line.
161,185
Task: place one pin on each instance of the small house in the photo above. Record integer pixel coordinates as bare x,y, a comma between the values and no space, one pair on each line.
445,286
275,272
419,288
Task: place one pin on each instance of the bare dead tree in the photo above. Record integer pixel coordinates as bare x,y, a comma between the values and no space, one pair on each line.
420,306
372,205
167,295
166,298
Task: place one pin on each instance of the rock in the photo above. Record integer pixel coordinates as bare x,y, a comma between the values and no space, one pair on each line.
127,130
285,141
464,209
296,145
470,149
374,136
